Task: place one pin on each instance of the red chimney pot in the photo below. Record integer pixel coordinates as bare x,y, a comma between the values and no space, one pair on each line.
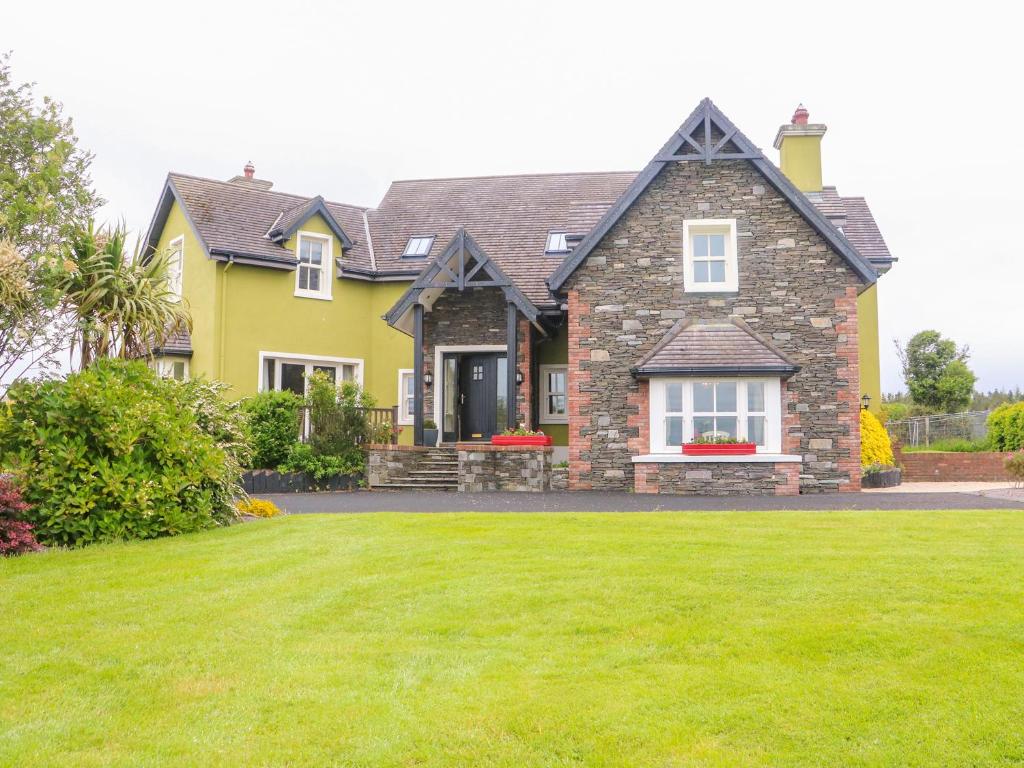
250,169
801,115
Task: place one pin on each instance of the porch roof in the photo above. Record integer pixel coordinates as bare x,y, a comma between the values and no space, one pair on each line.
462,264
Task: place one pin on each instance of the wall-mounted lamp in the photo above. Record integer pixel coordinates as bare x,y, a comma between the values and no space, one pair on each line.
865,401
428,379
519,377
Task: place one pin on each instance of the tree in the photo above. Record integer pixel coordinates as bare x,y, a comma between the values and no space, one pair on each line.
936,372
45,193
122,306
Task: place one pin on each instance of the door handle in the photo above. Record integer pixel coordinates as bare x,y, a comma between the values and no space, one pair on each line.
462,398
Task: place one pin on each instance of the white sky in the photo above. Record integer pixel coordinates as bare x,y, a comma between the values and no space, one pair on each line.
923,107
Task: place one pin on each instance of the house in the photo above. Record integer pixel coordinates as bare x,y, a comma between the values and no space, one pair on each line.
622,313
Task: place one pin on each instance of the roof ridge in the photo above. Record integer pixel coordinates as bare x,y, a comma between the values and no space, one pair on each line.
302,198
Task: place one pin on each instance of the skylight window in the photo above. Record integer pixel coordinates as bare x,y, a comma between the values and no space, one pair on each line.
418,247
556,243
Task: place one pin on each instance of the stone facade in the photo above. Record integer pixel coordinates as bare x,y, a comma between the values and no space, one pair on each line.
387,463
793,290
719,478
476,316
485,467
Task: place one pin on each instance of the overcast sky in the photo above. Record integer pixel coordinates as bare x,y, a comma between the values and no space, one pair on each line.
923,108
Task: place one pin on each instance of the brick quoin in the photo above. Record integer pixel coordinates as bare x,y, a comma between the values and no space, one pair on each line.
848,397
579,397
524,361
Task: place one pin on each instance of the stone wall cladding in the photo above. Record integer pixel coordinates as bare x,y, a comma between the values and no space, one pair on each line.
386,463
476,316
793,290
484,467
718,479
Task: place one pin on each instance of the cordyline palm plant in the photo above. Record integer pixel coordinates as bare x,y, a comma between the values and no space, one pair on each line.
124,306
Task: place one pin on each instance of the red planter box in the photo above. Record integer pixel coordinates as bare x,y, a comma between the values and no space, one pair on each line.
521,440
723,449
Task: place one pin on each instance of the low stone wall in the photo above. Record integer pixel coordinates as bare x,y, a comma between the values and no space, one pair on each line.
559,478
387,463
718,479
485,467
256,481
949,467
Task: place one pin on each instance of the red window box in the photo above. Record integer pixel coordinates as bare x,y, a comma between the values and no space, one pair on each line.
719,449
521,440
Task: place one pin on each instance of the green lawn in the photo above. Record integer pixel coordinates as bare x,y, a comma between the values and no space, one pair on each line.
732,639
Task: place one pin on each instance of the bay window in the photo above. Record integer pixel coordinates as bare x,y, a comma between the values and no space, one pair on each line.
749,410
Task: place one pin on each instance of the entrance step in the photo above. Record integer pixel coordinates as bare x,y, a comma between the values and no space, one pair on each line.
436,469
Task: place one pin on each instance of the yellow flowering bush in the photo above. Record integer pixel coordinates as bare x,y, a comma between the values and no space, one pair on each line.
258,508
875,446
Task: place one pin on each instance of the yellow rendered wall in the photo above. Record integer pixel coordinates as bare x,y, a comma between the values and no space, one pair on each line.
800,160
554,352
868,346
199,289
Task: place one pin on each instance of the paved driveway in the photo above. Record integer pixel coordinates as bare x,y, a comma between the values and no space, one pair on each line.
583,501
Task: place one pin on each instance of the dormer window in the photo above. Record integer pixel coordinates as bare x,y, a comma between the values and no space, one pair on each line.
313,274
557,243
418,247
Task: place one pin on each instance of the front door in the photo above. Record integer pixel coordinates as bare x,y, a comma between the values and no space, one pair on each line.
478,389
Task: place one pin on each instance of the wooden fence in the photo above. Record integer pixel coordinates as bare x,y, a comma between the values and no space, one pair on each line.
382,424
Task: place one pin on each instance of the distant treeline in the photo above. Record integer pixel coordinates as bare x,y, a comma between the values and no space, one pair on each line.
981,401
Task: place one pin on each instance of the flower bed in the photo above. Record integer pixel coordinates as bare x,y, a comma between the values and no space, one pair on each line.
719,449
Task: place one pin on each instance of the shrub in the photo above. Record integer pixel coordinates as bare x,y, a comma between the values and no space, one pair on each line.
875,447
115,452
337,417
258,508
302,458
1006,427
16,535
951,444
273,422
1015,467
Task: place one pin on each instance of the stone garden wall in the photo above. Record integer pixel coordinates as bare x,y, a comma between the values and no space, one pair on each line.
485,467
719,478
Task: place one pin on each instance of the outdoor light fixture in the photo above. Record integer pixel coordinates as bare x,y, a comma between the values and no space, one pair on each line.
428,378
865,401
519,377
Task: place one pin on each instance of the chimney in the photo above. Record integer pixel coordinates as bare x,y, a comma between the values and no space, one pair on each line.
249,178
799,145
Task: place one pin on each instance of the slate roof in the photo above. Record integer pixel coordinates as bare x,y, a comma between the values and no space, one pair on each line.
852,216
509,216
234,217
723,347
178,344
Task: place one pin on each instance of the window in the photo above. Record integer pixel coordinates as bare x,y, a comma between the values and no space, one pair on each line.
417,247
169,368
406,396
556,243
744,409
709,255
554,400
313,275
175,264
290,372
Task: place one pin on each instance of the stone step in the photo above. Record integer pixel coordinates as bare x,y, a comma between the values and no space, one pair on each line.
418,486
446,472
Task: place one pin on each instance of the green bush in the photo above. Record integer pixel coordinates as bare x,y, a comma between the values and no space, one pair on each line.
273,421
951,444
1015,467
302,458
1006,427
337,417
115,452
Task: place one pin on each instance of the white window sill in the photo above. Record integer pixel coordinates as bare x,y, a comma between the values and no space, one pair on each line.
754,458
552,420
301,295
711,288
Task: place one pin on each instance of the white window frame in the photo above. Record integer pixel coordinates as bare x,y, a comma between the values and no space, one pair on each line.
309,361
403,374
727,227
164,367
326,266
176,266
772,411
546,417
407,254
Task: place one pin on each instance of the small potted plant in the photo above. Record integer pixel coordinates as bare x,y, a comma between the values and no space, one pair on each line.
717,444
521,436
880,476
430,432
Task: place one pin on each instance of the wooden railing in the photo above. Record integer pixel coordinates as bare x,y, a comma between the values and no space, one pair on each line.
382,422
